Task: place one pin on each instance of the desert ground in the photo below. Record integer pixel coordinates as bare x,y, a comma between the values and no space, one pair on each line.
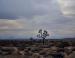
36,49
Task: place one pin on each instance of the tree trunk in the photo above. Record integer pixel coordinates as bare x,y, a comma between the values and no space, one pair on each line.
43,41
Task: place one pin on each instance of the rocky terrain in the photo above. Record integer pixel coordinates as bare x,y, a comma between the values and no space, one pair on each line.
36,49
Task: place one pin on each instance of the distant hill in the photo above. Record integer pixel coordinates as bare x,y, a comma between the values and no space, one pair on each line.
69,39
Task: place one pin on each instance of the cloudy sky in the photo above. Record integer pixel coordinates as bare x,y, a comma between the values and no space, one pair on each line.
23,18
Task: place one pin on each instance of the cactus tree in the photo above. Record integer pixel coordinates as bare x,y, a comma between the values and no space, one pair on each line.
42,34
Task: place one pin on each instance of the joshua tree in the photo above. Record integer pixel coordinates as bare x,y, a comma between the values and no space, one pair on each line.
42,34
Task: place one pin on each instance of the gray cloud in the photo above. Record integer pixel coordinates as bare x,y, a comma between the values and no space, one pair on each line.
67,7
14,8
31,15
